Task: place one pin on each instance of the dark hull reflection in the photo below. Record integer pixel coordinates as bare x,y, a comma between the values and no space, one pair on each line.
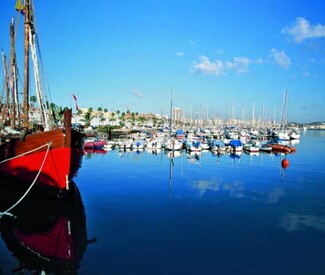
46,233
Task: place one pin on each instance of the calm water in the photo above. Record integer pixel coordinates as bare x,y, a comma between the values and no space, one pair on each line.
152,214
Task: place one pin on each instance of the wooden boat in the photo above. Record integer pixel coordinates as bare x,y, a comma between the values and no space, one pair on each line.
47,155
280,148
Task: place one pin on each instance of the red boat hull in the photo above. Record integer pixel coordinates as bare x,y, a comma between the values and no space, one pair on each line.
279,148
22,160
57,171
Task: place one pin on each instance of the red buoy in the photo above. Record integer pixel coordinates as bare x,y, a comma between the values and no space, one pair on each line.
285,163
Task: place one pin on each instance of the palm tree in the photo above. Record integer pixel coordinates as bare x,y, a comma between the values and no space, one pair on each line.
87,118
58,112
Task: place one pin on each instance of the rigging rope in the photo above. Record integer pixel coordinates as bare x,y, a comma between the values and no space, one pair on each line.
26,153
30,187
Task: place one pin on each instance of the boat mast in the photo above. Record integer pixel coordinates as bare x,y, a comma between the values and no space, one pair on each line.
26,63
284,111
171,113
14,100
5,109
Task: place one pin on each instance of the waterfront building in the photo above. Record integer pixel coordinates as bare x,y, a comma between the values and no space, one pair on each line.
177,115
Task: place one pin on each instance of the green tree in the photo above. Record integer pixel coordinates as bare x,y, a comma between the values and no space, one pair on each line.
123,116
87,118
58,113
33,100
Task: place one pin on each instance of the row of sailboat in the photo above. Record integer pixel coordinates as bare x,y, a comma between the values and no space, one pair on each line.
195,141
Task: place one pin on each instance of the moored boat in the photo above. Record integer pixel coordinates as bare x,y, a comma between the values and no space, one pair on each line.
154,143
44,154
280,148
94,143
266,148
138,144
193,146
173,145
235,145
252,147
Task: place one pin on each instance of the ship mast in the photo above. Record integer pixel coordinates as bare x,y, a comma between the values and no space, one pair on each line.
26,63
171,113
284,111
14,100
5,108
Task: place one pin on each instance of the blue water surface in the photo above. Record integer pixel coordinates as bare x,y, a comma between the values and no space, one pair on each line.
213,215
206,214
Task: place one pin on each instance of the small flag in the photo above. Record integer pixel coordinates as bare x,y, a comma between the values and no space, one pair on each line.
19,6
75,99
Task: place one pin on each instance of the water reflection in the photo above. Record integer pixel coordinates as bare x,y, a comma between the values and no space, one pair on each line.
45,233
172,154
193,157
293,222
239,190
153,151
236,156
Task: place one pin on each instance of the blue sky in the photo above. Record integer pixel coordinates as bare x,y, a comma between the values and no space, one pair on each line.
218,57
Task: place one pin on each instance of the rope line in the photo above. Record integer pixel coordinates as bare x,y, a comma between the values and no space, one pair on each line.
30,187
28,152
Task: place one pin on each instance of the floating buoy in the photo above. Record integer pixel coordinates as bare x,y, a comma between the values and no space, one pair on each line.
285,163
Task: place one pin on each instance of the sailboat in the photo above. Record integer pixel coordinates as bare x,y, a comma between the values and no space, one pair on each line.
47,155
171,143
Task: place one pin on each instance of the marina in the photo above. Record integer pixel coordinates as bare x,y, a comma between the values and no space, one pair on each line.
201,190
164,212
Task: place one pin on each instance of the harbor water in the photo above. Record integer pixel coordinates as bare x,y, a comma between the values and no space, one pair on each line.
151,212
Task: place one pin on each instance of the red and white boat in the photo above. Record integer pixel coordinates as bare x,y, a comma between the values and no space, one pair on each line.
48,155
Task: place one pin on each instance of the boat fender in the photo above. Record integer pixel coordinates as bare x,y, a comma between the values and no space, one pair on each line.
285,163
